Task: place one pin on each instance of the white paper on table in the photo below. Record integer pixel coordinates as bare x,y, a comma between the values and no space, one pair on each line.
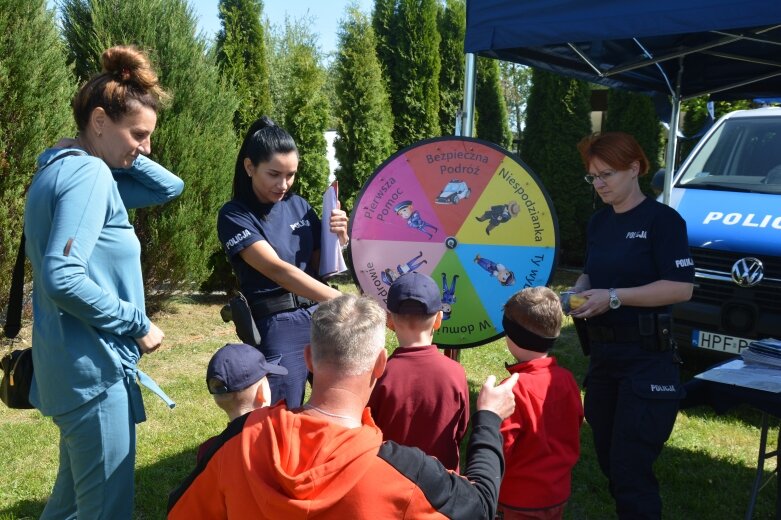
331,258
738,373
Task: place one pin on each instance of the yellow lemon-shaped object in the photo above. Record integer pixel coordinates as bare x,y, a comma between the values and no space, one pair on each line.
576,301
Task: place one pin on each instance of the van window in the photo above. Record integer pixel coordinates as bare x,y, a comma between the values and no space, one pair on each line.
742,154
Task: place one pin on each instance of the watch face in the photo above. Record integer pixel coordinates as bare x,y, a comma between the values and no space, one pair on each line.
615,303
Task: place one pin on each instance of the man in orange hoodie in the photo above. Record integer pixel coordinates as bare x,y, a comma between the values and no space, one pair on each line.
327,459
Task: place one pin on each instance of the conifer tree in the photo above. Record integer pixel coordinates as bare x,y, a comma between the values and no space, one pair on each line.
383,17
241,56
301,104
451,20
240,50
491,123
557,117
36,88
414,78
635,114
362,112
194,138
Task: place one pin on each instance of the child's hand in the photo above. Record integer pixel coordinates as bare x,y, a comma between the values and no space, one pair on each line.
499,399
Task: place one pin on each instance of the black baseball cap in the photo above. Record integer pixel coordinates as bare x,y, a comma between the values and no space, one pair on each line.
414,287
236,366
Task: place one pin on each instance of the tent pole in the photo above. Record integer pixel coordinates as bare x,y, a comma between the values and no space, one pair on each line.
672,139
467,124
672,144
468,111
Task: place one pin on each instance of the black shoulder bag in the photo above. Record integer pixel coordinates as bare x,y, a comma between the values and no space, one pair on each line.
17,366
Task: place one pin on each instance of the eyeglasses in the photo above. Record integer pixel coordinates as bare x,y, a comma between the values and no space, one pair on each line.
604,177
216,386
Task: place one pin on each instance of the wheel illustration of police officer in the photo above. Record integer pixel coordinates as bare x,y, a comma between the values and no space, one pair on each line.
388,275
498,271
448,296
407,211
499,214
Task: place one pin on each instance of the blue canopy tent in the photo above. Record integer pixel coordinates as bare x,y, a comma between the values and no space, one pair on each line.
678,48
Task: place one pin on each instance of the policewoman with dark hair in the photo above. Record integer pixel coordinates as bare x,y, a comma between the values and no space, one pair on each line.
272,239
637,265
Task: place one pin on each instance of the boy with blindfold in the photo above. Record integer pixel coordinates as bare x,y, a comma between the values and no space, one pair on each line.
542,437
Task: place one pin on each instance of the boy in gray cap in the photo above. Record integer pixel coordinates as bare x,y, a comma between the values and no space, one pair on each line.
236,378
422,399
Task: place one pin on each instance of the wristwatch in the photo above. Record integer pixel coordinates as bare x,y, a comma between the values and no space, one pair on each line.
615,303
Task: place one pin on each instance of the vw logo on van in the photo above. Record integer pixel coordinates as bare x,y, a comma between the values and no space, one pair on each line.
747,272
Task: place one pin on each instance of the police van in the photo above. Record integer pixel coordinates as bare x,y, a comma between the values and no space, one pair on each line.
729,192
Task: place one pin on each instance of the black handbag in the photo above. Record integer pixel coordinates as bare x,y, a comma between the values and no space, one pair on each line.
17,366
17,378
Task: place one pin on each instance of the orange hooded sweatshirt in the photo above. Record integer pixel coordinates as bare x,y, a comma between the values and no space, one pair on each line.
278,465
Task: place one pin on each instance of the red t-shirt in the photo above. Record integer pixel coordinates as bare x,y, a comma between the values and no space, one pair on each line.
422,400
542,436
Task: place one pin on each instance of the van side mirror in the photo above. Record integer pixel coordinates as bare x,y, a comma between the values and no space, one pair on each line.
657,182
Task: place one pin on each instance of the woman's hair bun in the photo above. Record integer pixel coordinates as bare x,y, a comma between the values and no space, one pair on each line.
127,78
128,64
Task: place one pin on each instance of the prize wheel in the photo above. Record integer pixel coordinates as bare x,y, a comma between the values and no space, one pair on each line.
465,212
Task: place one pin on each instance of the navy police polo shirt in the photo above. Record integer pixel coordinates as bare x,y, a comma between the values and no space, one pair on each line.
290,226
645,244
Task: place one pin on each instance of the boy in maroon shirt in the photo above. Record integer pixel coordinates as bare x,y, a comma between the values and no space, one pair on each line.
542,436
422,399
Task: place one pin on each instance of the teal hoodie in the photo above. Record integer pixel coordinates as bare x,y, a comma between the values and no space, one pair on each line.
88,294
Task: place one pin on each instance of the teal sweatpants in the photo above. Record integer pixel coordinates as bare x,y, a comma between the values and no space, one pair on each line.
97,457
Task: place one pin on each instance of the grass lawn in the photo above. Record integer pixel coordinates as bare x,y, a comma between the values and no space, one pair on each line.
706,469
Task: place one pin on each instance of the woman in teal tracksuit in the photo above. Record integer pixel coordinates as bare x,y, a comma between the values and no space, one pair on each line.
89,323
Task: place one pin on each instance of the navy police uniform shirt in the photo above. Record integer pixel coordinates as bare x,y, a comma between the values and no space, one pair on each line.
638,247
290,226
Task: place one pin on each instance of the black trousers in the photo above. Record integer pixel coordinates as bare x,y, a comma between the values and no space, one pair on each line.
631,403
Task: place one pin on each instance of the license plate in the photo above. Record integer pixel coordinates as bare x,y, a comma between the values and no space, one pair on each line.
718,342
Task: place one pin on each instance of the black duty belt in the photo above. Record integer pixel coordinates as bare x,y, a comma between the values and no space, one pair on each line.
274,304
615,334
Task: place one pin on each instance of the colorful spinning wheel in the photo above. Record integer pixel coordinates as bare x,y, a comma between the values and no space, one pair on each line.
465,212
